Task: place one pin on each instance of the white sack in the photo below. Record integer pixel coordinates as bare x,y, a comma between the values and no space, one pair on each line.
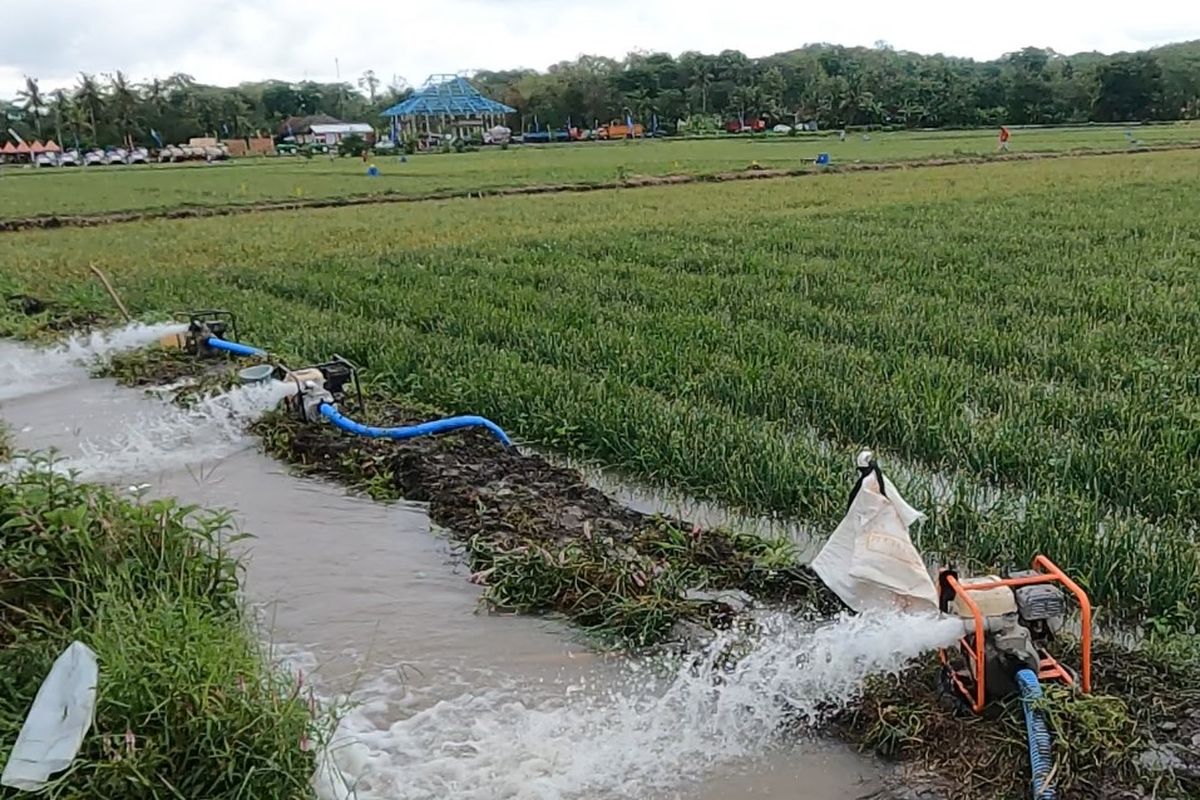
870,560
57,722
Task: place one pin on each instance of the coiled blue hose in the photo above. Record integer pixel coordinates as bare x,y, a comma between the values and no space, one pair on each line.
233,347
1040,756
413,431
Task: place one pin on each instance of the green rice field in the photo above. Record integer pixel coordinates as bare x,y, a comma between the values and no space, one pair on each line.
98,190
1020,342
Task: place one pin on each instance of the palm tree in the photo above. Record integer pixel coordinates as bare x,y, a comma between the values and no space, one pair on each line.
60,106
702,77
77,119
34,102
371,83
124,103
155,93
89,98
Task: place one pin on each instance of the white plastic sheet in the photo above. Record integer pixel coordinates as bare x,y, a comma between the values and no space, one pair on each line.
57,722
870,561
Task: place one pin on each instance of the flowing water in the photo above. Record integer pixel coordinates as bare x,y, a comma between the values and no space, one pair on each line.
450,701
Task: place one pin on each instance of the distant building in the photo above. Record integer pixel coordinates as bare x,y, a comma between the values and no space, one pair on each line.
322,129
446,105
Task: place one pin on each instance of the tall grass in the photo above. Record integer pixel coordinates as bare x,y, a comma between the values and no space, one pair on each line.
187,703
1020,339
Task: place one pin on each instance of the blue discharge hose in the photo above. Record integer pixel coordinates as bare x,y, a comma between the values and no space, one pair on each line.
413,431
350,426
1040,756
233,347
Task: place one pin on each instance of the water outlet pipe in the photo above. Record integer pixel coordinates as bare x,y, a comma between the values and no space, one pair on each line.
412,431
1041,758
233,347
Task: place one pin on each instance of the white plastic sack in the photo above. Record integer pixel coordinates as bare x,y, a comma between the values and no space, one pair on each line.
870,561
58,720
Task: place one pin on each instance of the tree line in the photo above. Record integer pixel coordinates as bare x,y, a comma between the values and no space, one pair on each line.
831,85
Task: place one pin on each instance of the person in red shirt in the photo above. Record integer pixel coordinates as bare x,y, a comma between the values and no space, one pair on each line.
1003,138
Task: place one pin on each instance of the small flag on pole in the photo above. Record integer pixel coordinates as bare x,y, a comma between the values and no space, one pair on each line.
155,134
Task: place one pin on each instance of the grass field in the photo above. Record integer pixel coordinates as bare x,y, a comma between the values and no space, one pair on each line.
1020,341
25,193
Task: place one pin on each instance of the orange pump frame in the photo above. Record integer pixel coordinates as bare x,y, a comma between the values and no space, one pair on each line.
1049,669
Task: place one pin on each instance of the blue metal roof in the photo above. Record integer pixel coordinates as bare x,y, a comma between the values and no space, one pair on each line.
447,97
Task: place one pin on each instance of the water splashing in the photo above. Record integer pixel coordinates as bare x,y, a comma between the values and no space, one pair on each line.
211,428
634,737
158,441
26,370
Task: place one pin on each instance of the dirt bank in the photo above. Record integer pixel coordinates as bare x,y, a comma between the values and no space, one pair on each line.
46,221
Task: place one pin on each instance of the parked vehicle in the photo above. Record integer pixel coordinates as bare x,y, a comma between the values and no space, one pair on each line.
174,153
138,155
752,125
69,158
45,160
619,130
93,158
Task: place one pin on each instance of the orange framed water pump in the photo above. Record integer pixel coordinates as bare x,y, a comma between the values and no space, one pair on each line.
1010,623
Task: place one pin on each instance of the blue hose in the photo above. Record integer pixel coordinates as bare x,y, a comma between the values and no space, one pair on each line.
413,431
1040,756
233,347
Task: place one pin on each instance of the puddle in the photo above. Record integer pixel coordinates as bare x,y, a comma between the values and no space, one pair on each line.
453,702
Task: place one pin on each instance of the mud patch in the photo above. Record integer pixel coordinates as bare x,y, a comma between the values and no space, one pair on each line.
631,182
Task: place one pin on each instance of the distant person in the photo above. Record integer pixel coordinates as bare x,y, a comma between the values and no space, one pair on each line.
842,135
1004,137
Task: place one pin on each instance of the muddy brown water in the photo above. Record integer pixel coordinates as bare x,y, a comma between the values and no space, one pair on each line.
368,599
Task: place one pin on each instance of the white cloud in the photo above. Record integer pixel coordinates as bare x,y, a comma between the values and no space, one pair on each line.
226,41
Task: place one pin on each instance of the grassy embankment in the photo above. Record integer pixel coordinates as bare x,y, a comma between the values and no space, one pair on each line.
188,704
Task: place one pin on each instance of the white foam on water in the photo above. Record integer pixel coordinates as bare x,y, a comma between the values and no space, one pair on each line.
212,428
154,442
633,738
28,370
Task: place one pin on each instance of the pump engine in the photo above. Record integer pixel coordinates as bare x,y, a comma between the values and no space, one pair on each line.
329,382
1010,624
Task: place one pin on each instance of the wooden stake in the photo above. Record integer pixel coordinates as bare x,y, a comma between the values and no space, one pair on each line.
111,292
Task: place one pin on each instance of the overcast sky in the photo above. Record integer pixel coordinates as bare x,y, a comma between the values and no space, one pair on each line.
228,41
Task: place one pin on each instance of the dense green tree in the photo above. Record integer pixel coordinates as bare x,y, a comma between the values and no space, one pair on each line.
831,85
1129,88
